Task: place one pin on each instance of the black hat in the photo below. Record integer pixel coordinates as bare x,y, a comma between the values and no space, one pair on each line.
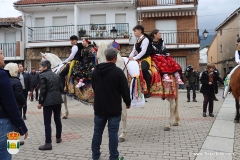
73,38
238,40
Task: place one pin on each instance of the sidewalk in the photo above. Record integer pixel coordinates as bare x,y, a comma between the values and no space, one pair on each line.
219,144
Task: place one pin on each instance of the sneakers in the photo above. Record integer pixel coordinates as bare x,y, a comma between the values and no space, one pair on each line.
179,81
194,100
46,146
211,114
58,140
204,114
188,100
166,78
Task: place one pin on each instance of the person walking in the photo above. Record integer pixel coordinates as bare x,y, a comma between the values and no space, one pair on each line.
218,73
25,81
9,112
110,86
191,75
209,81
51,100
34,83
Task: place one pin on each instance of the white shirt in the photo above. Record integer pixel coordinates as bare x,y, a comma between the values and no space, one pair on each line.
143,46
73,53
22,80
237,58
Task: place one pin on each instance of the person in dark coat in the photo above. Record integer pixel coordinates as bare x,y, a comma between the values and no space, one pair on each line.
218,73
34,83
25,81
51,100
9,112
110,86
209,81
191,76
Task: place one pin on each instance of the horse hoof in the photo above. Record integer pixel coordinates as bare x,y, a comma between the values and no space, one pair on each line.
236,121
167,128
121,139
64,117
175,124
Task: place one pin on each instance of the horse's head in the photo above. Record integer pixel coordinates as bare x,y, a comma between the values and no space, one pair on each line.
43,55
102,46
55,60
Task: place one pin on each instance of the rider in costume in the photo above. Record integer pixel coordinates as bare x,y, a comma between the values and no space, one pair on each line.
237,53
164,62
72,59
141,52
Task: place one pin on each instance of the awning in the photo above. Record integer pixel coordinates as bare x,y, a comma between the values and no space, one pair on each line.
168,14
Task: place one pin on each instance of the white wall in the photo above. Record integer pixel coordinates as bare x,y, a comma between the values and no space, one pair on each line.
203,56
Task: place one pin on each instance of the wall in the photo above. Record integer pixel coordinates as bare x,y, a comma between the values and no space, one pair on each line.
228,41
212,51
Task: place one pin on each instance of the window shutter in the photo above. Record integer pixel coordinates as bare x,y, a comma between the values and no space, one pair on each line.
40,22
120,18
59,21
98,19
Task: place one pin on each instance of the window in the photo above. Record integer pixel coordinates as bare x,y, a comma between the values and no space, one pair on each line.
182,61
220,32
122,28
40,22
168,29
221,48
166,2
98,19
59,21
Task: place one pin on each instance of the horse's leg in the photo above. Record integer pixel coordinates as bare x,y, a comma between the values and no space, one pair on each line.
123,135
66,107
236,120
172,109
176,113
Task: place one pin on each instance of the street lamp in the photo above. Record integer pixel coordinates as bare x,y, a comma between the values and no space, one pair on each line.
114,33
205,34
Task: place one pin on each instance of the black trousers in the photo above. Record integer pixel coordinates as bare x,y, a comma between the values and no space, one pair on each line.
208,99
146,74
36,92
191,85
23,110
47,116
63,75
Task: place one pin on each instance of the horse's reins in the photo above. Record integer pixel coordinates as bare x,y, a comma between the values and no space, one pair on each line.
125,65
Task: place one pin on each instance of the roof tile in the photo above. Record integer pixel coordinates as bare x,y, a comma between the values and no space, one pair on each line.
14,20
26,2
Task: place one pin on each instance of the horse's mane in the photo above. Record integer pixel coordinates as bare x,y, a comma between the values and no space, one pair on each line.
54,59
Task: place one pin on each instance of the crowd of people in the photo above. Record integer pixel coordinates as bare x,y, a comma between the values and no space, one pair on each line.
16,83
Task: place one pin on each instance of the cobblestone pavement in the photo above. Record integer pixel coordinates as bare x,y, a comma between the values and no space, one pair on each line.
146,139
236,148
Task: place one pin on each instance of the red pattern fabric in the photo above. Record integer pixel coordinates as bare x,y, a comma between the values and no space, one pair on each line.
166,65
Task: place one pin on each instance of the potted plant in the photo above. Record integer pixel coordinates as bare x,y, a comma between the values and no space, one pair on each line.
104,27
81,32
97,34
125,34
92,26
100,28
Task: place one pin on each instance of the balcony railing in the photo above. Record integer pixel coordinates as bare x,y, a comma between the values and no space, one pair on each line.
180,37
101,31
8,49
51,33
60,33
143,3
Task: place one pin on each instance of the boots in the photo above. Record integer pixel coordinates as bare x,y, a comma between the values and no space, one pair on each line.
58,140
46,146
148,95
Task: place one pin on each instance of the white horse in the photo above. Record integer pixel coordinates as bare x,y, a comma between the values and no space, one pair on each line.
174,114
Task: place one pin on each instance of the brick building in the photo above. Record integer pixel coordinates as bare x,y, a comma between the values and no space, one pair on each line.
178,22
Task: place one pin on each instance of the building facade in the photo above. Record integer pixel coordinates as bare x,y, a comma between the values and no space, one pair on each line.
227,34
48,24
177,21
11,39
212,51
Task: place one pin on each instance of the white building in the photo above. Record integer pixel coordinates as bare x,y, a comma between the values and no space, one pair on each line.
11,39
48,24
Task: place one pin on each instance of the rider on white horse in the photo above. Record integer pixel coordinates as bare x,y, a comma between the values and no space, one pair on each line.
74,56
141,51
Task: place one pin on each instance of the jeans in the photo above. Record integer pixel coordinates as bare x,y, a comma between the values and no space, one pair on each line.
180,86
5,127
47,116
113,127
23,110
191,85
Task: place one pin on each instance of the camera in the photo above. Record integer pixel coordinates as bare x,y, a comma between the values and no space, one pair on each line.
189,68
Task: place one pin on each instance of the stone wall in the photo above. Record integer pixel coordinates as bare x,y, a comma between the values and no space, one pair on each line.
63,52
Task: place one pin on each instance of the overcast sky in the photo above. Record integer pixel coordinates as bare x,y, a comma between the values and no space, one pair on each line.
211,12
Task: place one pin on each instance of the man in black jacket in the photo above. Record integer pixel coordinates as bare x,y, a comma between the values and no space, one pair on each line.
34,82
51,100
110,86
25,81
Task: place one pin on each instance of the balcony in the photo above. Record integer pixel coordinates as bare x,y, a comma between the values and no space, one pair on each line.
12,51
181,39
166,5
59,35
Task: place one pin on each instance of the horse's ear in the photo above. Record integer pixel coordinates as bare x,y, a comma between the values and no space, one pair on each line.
109,44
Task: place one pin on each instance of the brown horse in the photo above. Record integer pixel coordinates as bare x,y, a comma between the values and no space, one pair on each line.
235,86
